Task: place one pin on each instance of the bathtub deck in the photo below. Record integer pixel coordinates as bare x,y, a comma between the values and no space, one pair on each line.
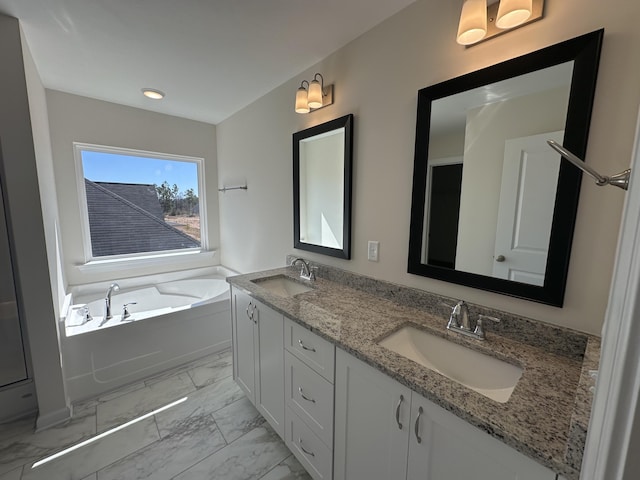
214,433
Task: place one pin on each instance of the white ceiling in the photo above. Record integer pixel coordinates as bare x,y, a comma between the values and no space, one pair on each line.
210,57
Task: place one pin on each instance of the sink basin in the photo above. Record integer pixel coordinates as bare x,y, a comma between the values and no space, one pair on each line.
283,286
487,375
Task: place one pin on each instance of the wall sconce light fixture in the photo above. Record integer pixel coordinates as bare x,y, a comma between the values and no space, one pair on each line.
314,96
479,22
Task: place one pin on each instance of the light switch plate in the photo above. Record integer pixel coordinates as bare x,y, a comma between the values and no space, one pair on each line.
372,250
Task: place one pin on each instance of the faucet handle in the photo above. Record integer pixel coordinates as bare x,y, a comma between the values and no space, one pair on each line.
479,330
445,304
86,314
125,310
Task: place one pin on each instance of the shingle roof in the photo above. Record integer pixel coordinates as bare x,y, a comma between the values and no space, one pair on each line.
141,195
120,224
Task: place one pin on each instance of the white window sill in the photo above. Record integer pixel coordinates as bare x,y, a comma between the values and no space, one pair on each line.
194,258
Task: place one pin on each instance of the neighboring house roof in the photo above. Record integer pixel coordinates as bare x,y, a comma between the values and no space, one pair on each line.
120,223
141,195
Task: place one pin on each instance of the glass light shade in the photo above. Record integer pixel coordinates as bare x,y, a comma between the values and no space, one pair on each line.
512,13
473,22
302,105
315,94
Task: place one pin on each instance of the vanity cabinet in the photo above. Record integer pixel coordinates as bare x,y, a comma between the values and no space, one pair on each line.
383,430
309,396
371,422
258,356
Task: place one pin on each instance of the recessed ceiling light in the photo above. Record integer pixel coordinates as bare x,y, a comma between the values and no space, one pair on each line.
153,93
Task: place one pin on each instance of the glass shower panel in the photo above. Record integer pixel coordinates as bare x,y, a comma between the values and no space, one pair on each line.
12,361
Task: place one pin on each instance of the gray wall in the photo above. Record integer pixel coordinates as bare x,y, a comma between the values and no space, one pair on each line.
24,209
377,78
79,119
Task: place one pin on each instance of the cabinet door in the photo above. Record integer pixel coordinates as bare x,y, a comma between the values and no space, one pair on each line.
448,448
371,422
243,342
270,367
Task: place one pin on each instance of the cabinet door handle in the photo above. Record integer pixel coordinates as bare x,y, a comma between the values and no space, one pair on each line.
417,426
398,412
304,347
308,399
304,449
253,314
250,315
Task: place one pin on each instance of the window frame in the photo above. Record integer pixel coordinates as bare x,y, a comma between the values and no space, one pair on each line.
160,256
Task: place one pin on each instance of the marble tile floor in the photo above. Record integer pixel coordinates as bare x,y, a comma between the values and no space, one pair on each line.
212,431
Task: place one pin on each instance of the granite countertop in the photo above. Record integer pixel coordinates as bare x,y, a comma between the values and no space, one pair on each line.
546,417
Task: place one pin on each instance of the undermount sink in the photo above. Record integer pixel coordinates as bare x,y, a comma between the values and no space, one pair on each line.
485,374
283,286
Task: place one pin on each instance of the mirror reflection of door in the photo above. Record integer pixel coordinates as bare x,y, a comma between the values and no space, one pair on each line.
445,183
482,132
474,116
525,212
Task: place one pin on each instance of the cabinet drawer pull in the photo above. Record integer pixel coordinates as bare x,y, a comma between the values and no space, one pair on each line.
304,449
398,412
417,426
308,399
304,347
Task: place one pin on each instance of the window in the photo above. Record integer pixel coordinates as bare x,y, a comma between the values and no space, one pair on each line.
138,203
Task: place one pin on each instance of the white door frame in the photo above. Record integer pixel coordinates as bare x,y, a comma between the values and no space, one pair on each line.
615,407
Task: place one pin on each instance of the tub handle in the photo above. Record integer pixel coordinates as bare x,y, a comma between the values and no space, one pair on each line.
125,310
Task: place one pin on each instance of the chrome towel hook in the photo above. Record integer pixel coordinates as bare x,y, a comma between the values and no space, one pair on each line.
620,180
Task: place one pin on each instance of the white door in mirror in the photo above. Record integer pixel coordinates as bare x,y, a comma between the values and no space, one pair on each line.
525,212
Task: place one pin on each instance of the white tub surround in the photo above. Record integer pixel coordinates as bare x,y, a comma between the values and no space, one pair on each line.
174,319
144,303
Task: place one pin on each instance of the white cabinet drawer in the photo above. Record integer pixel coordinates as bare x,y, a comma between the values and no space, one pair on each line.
316,352
310,396
310,451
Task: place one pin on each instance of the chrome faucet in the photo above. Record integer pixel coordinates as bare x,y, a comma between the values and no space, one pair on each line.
459,321
114,287
459,318
306,272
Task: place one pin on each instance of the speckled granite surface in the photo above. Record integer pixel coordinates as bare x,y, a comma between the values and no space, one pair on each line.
548,413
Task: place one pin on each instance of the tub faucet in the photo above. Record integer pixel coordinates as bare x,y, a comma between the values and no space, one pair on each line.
306,272
114,287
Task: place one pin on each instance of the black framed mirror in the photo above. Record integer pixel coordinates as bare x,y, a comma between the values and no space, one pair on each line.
322,166
493,206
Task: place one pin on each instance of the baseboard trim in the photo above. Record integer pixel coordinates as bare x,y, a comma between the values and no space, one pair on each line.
52,419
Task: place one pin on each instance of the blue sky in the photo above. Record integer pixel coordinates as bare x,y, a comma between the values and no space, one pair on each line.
111,167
